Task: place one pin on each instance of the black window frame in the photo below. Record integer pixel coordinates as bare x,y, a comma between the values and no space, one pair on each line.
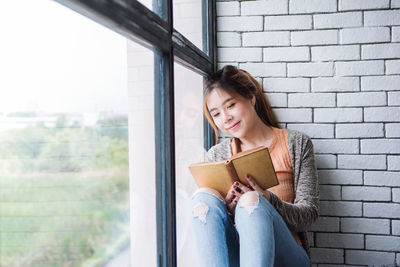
154,30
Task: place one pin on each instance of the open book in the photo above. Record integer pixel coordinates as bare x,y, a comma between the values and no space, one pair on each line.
221,175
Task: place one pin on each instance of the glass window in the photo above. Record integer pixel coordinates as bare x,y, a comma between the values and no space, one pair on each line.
76,141
142,152
189,148
188,20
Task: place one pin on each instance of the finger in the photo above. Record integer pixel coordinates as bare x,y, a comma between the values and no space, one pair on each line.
242,187
231,206
231,194
253,184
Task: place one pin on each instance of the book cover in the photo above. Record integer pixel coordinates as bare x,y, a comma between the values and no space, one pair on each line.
221,175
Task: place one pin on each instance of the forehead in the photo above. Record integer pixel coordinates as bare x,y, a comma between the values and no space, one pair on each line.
217,97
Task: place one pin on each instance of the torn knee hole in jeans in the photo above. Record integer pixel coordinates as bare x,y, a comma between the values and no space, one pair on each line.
200,211
249,201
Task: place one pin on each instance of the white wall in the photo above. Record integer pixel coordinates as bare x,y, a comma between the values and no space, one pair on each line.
332,70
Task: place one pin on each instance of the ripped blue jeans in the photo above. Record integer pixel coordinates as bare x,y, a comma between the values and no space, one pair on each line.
265,239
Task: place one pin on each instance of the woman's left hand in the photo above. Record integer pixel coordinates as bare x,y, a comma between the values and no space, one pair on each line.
258,188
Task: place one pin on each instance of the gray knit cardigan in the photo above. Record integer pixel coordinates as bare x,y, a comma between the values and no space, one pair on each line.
304,211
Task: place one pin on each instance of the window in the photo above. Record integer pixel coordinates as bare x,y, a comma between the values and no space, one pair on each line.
137,132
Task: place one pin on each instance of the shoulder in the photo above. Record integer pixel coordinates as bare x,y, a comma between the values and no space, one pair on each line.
298,142
220,151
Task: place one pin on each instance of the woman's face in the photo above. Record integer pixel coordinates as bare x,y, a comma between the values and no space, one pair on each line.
232,113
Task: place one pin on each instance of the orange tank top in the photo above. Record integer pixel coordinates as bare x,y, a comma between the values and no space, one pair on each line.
282,164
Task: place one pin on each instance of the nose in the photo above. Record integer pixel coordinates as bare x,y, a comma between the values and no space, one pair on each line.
226,116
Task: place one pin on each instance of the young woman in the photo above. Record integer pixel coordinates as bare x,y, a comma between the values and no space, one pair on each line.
251,226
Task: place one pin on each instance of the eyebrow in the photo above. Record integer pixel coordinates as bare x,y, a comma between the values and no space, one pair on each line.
227,100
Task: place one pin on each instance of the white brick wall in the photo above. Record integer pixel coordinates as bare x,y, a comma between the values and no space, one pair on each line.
332,70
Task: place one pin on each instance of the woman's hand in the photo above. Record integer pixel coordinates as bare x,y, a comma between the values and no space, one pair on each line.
258,188
235,192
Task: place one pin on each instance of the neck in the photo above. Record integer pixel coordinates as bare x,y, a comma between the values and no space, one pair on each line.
259,135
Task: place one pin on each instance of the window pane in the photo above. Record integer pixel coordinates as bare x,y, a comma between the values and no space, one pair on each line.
142,163
188,20
76,105
189,149
147,3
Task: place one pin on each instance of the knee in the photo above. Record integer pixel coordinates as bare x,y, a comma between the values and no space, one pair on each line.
249,201
201,205
209,191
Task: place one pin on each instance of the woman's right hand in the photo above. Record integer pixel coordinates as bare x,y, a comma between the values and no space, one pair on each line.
232,198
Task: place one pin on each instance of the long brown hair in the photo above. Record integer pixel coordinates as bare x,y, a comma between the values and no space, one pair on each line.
234,80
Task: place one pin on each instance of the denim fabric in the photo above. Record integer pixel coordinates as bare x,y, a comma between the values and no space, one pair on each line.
265,240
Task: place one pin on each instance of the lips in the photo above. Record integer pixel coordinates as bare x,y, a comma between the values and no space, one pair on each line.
233,126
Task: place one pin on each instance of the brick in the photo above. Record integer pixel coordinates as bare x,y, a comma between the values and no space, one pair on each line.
365,35
335,84
363,225
311,100
383,210
336,146
358,68
340,208
311,6
286,54
367,162
395,4
384,114
386,243
329,192
342,177
369,257
292,22
266,38
310,69
394,98
381,178
334,240
310,237
286,84
380,146
362,4
392,66
396,227
380,83
325,224
335,52
266,7
377,51
382,18
366,193
265,69
337,20
254,23
228,39
314,130
325,161
293,115
322,255
228,8
359,130
392,129
240,54
361,99
277,99
338,115
395,34
319,37
396,194
394,163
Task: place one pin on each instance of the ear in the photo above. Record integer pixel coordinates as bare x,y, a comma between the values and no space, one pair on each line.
253,100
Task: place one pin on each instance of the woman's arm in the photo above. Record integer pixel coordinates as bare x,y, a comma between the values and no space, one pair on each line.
300,215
